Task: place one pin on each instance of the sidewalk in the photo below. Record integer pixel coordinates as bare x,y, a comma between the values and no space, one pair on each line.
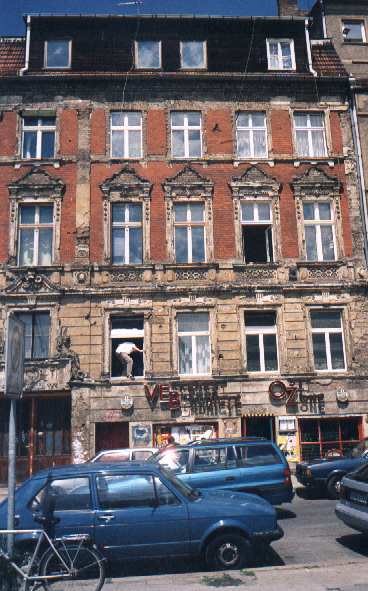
331,576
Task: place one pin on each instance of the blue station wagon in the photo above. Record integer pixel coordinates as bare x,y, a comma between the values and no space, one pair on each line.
140,510
252,465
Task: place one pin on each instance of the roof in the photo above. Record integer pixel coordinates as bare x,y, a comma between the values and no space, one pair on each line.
12,53
325,60
92,468
162,16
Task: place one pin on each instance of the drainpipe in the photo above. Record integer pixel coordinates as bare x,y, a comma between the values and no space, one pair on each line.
323,18
307,39
360,169
28,38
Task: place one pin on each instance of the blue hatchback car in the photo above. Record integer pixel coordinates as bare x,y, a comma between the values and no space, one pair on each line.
138,510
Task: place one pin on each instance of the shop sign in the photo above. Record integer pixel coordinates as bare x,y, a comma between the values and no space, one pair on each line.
342,396
295,396
197,399
126,403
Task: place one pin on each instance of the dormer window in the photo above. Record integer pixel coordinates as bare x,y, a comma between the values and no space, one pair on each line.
148,55
193,55
58,54
353,31
280,54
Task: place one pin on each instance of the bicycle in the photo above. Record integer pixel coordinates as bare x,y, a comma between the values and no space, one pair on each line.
69,563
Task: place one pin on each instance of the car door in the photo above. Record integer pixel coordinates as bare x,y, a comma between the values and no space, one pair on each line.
139,516
261,468
214,467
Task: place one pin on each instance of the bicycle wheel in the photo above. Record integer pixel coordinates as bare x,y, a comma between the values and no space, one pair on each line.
86,571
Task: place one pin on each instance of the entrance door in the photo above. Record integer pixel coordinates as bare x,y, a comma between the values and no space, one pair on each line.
112,436
259,427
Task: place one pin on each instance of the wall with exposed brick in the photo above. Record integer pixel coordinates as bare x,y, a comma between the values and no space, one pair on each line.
8,134
98,132
68,132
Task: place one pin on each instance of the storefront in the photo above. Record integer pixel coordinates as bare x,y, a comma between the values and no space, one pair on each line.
184,433
259,425
319,437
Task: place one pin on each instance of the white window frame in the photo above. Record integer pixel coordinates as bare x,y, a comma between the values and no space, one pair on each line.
344,24
188,224
257,222
36,227
309,128
317,223
327,332
204,45
185,129
261,331
126,128
251,130
126,334
47,67
194,335
126,225
39,130
280,63
136,54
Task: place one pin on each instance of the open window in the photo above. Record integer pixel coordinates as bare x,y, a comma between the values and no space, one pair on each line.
256,225
127,330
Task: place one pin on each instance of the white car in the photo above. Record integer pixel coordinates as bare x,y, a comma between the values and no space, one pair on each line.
109,456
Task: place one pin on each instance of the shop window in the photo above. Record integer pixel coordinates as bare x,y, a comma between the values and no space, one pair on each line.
126,134
58,54
35,235
125,491
328,340
186,134
261,341
319,231
310,134
256,225
251,135
319,437
125,332
38,137
193,55
194,343
37,334
353,31
53,427
189,233
148,55
280,54
127,233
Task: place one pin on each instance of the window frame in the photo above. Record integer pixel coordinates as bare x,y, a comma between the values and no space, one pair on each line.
204,46
68,67
39,130
136,54
36,228
279,54
127,314
261,331
185,129
317,223
189,224
328,331
126,128
361,22
32,313
251,130
193,334
126,225
309,130
256,202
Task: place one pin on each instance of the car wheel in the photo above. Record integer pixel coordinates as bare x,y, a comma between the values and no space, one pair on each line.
227,551
333,486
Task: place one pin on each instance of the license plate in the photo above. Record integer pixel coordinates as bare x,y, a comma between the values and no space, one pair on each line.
357,497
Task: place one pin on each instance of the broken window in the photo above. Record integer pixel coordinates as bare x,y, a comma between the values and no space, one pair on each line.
127,332
256,223
261,341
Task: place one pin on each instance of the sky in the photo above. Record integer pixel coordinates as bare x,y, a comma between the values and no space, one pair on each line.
11,11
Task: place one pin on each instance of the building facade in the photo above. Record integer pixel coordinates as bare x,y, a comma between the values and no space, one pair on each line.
187,185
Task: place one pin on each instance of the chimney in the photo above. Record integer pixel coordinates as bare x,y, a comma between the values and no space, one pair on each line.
288,8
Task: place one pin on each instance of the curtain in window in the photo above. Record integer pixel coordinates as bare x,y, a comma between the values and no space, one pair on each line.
185,355
203,354
302,145
45,246
26,247
41,334
318,143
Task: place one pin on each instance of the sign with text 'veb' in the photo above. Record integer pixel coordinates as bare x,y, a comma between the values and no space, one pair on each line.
14,358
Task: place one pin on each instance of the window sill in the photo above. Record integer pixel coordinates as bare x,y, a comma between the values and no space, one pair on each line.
353,42
37,269
317,264
37,162
122,380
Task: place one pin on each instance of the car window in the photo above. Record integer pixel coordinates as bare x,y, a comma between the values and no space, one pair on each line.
175,459
164,495
70,494
216,458
125,491
257,455
141,454
121,456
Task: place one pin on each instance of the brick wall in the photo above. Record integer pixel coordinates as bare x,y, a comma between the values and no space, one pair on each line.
8,134
68,132
98,132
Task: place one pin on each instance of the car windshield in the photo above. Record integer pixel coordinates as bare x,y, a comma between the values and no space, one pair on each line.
187,491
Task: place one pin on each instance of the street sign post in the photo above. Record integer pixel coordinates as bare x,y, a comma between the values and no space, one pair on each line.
14,376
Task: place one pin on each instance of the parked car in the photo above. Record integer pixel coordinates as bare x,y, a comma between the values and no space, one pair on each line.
109,456
352,508
140,510
252,465
328,472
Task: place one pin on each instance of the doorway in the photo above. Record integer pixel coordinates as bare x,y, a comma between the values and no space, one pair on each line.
111,436
259,427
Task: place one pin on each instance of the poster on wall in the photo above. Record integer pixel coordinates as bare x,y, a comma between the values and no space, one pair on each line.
141,435
288,445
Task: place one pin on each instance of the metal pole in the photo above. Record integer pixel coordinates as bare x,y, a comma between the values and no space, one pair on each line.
11,472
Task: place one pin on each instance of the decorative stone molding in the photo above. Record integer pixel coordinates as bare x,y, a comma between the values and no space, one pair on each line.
191,274
187,185
256,274
37,186
64,350
320,272
33,283
126,185
127,275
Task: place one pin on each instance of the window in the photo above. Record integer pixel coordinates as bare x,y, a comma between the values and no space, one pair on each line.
164,495
114,456
126,134
328,340
174,459
128,330
256,222
280,54
127,237
58,54
251,135
37,334
319,231
125,491
193,54
257,455
194,343
189,233
261,341
70,494
287,424
217,458
186,134
310,134
35,234
148,55
353,31
38,139
52,432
